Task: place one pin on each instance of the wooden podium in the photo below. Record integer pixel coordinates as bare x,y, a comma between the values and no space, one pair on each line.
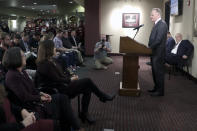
132,50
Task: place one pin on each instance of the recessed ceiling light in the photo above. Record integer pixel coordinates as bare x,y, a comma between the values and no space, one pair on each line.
35,3
70,2
13,14
23,6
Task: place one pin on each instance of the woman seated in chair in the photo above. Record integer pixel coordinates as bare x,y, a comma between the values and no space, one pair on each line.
25,95
28,121
50,72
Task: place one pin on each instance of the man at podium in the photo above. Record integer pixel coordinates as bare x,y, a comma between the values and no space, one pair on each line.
157,42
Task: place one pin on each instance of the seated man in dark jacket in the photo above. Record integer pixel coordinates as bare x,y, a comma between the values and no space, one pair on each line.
169,43
181,51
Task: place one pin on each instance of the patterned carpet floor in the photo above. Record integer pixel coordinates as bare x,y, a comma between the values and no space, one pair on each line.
176,111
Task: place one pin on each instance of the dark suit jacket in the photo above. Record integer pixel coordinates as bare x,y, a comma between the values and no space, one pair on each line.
66,43
185,48
22,46
73,42
157,39
22,88
157,42
33,43
51,73
169,45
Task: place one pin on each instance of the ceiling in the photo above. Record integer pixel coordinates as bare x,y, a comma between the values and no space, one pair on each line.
38,7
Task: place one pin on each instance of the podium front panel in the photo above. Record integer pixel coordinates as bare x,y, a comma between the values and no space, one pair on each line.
130,71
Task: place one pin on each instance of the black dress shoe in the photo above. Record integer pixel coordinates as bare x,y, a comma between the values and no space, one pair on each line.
157,94
107,98
86,117
153,90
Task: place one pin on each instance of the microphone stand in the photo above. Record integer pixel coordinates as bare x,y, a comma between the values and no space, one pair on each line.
136,33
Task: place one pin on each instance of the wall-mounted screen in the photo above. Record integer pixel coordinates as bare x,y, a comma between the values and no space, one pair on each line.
176,7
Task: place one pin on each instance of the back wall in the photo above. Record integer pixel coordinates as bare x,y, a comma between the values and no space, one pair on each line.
111,19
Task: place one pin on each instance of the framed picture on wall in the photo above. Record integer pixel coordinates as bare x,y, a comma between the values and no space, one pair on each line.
130,20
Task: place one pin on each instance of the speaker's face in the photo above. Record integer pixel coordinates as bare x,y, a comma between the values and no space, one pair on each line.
154,16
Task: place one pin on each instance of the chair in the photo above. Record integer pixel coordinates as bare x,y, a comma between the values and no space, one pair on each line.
186,64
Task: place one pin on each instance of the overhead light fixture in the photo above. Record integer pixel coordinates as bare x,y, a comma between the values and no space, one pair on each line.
13,15
33,8
23,6
70,2
35,3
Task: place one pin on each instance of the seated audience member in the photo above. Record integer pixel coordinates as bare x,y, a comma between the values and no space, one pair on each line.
76,43
5,28
180,52
26,121
48,36
100,54
33,42
66,55
17,42
25,42
169,43
22,92
81,35
5,44
58,42
52,74
67,44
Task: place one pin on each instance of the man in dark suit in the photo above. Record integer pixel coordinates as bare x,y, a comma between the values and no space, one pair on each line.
157,42
25,43
74,39
169,43
76,43
180,52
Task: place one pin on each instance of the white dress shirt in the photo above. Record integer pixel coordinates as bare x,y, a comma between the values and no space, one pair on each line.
157,21
174,50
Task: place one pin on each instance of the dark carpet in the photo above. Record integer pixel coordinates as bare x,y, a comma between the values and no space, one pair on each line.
176,111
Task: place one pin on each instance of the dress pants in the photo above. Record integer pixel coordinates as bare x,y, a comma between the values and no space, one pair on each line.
83,86
60,109
174,59
158,72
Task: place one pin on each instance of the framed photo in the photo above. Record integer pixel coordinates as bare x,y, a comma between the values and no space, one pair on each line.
130,20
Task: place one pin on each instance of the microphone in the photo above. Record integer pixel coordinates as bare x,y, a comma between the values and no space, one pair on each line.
138,27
